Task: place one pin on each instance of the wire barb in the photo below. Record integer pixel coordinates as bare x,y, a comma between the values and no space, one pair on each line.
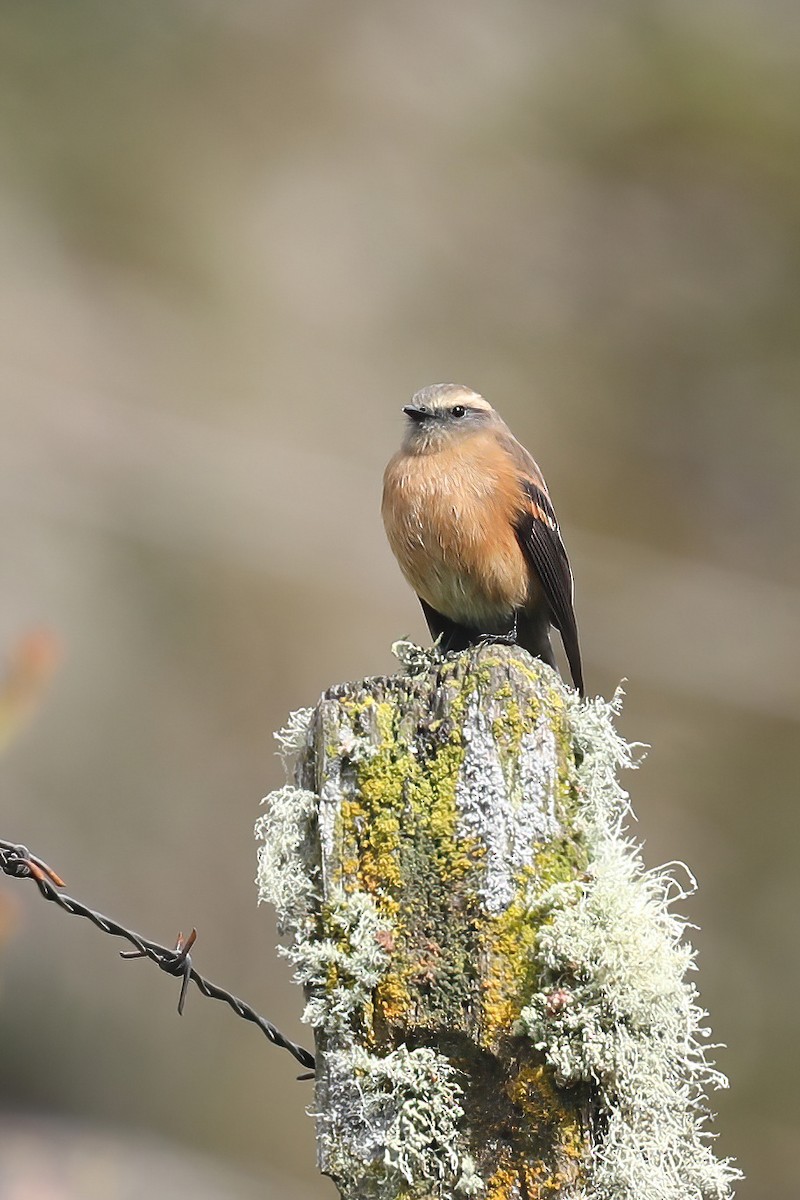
17,862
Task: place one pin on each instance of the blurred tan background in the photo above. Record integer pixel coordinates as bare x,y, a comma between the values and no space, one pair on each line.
236,237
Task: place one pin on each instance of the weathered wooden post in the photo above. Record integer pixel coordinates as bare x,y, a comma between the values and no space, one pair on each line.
495,983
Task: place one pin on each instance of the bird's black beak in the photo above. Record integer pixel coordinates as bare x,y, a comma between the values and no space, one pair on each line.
417,413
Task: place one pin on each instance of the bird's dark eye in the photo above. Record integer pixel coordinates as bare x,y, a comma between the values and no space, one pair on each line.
458,410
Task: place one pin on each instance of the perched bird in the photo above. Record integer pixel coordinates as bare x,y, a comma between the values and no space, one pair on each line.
470,521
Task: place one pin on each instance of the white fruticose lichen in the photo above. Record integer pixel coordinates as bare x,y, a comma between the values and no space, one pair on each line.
414,658
614,1009
507,815
294,736
341,968
286,877
393,1124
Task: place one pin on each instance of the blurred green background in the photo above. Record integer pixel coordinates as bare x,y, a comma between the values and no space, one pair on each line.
236,237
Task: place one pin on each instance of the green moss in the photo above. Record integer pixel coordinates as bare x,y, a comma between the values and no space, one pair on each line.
397,832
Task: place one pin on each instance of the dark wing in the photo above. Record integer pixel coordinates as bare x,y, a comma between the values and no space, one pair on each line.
540,538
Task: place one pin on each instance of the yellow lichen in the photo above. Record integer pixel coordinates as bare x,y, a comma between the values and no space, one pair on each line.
392,999
507,989
502,1185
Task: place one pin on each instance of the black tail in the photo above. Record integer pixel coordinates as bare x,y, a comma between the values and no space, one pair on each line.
534,636
569,636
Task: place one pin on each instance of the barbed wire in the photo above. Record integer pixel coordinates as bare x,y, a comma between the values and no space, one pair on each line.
17,862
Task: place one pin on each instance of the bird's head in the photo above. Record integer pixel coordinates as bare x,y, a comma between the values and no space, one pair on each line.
442,414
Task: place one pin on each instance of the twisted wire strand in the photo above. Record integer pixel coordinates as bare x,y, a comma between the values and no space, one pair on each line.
17,862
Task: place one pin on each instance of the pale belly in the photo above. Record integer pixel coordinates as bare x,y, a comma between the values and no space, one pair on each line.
457,548
464,598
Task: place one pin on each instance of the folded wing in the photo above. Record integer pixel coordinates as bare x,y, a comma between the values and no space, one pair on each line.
540,539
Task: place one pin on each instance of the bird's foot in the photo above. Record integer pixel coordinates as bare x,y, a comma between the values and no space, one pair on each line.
497,639
500,639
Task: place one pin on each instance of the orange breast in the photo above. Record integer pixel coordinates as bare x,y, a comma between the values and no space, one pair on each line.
449,517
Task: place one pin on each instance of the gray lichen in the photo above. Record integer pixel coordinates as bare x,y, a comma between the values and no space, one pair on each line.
507,811
394,1121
